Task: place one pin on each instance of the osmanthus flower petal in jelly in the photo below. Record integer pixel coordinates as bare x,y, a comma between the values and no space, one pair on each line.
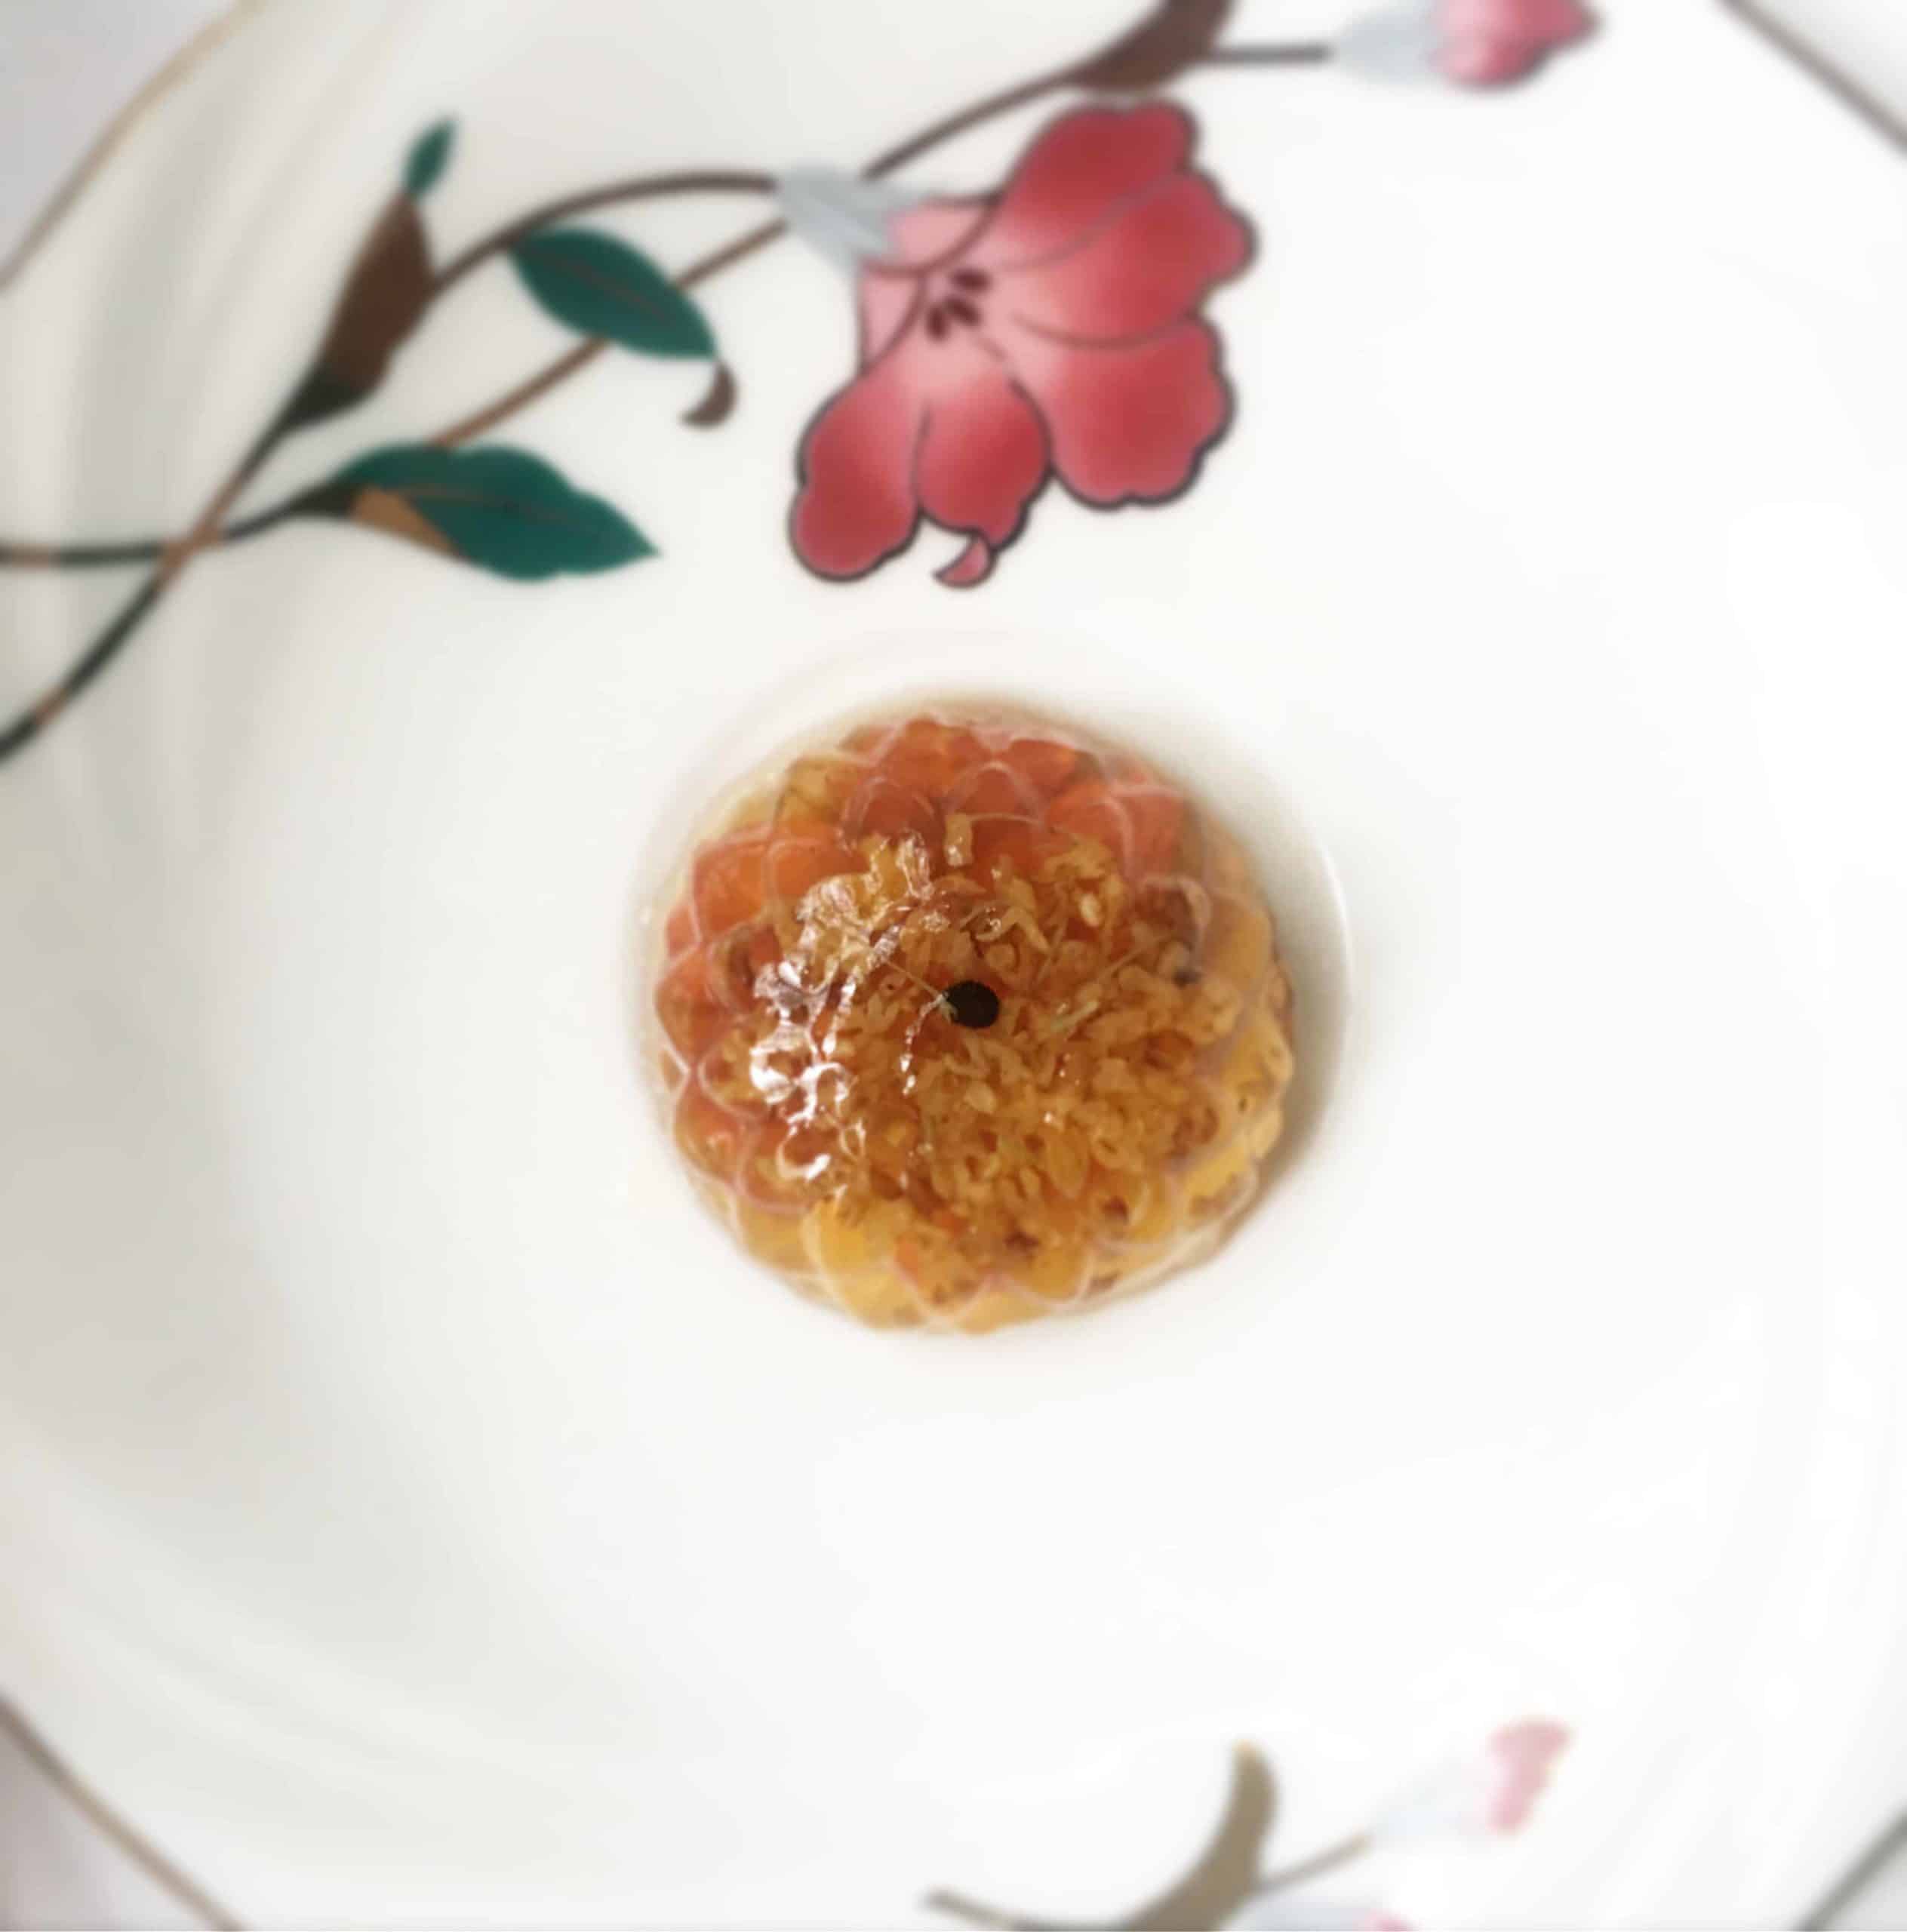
966,1018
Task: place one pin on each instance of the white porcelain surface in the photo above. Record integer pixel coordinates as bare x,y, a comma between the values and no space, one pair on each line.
414,1509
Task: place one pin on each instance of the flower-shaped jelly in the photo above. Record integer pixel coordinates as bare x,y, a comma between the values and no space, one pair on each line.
970,1018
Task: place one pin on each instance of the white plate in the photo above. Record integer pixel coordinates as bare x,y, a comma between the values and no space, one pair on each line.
417,1513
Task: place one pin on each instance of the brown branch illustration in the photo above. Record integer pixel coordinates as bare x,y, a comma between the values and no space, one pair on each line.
526,392
79,556
1346,1851
990,108
566,364
83,556
643,188
142,549
1220,1879
1308,54
1175,35
1171,39
173,560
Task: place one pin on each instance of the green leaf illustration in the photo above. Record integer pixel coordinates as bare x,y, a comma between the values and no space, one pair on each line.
503,509
426,162
601,286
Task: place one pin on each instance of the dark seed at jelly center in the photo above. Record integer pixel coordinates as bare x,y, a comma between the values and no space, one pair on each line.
972,1003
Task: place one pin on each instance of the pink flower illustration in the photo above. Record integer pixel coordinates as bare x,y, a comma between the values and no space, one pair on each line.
1052,329
1492,1790
1478,43
1485,43
1520,1756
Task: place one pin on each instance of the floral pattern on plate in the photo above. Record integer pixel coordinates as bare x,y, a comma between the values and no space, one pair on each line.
1053,327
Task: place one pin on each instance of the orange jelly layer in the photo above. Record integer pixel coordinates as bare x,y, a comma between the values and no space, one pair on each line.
1091,1120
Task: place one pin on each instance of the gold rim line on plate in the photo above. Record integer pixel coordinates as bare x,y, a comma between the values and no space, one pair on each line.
154,89
178,1885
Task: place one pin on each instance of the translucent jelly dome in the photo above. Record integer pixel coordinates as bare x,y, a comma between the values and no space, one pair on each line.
971,1018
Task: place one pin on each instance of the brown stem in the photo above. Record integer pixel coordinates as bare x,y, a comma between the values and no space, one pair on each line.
84,556
639,188
574,358
1877,113
566,365
95,1809
78,556
749,242
154,549
26,726
145,549
730,253
173,558
581,353
741,181
994,104
1297,54
1346,1851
